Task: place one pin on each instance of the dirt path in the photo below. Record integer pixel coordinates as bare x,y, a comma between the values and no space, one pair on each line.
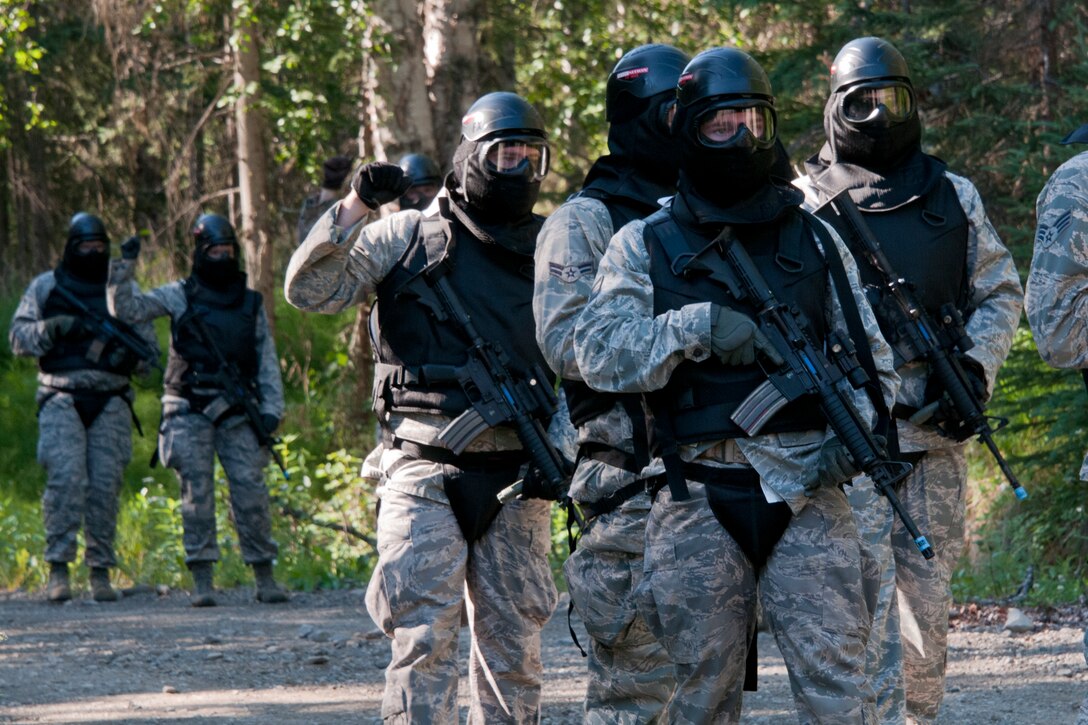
317,660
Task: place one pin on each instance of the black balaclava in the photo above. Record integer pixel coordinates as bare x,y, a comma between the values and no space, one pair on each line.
493,198
644,140
874,145
219,274
87,266
725,175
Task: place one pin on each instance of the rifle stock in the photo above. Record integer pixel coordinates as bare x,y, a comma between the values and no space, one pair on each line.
110,328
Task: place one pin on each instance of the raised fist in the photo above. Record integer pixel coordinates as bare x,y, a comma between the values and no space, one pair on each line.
379,182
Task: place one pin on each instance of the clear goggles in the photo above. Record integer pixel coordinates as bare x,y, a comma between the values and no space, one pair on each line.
517,156
721,126
864,103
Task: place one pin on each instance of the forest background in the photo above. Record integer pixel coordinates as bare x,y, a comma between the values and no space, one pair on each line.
151,111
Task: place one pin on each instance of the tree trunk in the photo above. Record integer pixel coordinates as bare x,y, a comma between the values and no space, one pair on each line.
253,165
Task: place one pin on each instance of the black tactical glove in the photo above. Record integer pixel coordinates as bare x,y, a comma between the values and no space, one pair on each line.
379,183
61,326
735,338
938,409
270,423
836,465
334,171
130,248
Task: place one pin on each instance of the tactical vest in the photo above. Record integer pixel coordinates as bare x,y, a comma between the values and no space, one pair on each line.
419,352
925,241
700,396
82,352
231,318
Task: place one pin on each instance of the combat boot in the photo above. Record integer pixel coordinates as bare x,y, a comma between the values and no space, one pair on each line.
59,589
101,590
268,591
203,590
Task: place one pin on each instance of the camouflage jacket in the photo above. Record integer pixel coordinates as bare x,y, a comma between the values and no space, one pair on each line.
569,249
621,346
128,303
337,268
27,337
1057,289
995,298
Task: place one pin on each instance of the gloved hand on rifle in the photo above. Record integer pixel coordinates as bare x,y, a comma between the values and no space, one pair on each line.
60,326
938,409
836,465
735,338
270,423
379,182
535,485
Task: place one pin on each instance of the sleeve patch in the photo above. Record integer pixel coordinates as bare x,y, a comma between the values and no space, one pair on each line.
570,273
1047,234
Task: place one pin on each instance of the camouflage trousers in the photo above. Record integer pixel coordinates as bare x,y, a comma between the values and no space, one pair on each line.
83,469
699,598
188,443
428,578
935,495
884,653
630,675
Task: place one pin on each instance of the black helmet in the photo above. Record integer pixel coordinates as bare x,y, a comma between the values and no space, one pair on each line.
868,59
422,169
212,229
85,227
641,73
722,72
501,111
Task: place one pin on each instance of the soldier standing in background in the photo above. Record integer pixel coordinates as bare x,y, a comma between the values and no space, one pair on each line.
426,181
739,511
333,173
447,550
932,226
198,421
84,406
1057,288
630,676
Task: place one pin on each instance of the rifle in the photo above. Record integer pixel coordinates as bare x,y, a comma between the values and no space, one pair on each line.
499,397
805,370
238,392
920,337
107,329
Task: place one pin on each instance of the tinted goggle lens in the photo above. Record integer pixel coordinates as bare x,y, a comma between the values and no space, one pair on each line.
518,156
720,126
864,103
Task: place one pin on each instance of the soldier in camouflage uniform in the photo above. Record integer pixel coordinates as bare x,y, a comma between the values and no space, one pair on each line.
1058,281
447,550
739,510
84,407
932,227
630,676
198,423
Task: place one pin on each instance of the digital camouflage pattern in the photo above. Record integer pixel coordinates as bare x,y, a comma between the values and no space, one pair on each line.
189,442
630,677
427,576
83,466
699,590
1057,288
937,502
699,596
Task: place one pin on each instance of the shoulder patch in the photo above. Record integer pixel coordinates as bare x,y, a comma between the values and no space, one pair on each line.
1047,234
570,273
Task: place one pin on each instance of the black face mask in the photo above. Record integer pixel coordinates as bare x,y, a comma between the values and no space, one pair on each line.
495,198
873,145
644,140
726,175
218,274
89,267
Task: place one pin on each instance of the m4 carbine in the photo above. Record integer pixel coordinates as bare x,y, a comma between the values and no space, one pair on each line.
920,337
108,329
804,370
